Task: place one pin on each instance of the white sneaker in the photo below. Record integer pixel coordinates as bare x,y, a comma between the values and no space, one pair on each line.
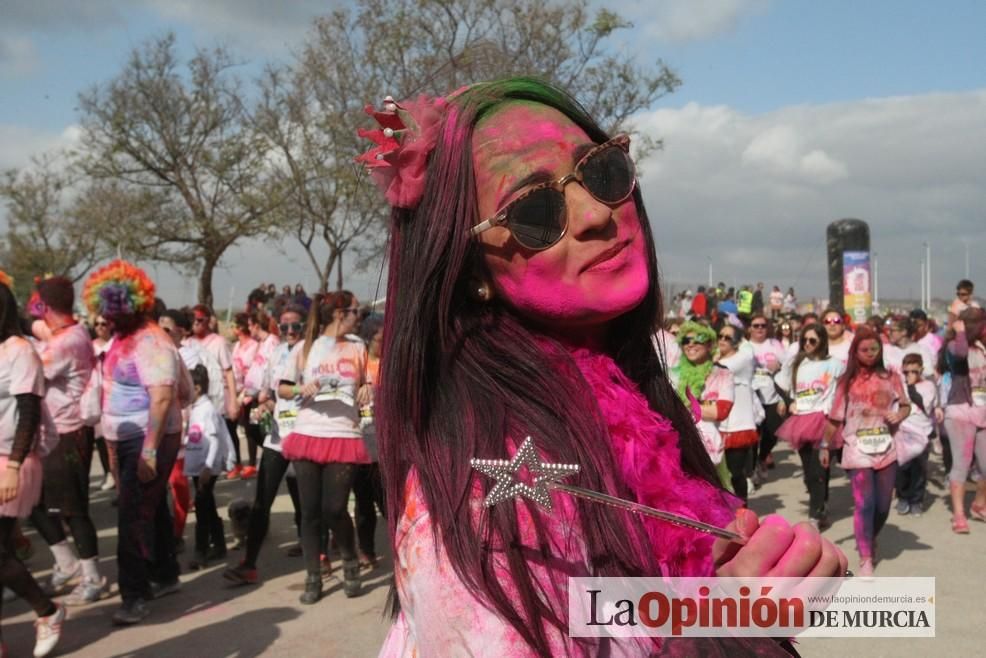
108,483
60,579
47,631
87,591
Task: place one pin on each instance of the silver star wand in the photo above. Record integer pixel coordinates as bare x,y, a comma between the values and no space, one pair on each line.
545,477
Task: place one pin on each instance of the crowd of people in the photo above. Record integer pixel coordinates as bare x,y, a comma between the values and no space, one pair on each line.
876,398
523,299
166,400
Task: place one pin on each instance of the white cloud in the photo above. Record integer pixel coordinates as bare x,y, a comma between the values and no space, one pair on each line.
20,144
756,192
678,21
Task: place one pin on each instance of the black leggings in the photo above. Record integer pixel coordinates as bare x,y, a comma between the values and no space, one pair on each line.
231,427
104,454
208,525
273,466
369,498
816,478
255,438
739,461
768,428
15,576
66,489
324,491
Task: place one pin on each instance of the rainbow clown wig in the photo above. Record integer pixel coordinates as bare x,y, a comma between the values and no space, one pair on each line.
119,288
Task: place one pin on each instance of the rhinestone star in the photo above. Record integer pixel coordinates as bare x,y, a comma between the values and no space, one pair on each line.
508,486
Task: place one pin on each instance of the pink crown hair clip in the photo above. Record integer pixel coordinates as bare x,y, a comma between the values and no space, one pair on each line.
544,477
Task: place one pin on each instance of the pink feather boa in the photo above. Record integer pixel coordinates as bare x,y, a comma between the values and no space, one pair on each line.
645,445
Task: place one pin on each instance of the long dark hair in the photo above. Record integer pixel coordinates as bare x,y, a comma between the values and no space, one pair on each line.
10,319
854,367
321,316
821,352
461,376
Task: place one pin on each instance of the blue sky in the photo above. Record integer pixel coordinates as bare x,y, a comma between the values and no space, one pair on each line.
792,114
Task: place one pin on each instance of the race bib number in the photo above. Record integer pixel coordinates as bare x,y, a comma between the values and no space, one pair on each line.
332,389
762,379
979,396
874,440
285,421
807,399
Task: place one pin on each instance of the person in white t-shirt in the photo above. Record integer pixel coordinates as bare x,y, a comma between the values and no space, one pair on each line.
769,355
739,429
900,332
204,337
839,339
963,300
912,440
273,465
326,443
923,333
68,360
21,411
810,381
207,454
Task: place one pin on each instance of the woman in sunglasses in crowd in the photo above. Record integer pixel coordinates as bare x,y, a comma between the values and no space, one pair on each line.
700,382
522,299
965,412
785,334
273,465
325,443
739,428
869,405
809,380
102,334
244,352
839,338
769,355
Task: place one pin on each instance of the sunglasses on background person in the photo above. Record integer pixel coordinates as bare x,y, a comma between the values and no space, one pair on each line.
538,218
811,341
292,327
912,371
758,325
697,340
832,320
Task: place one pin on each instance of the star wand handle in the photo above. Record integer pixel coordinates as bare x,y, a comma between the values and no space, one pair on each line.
637,508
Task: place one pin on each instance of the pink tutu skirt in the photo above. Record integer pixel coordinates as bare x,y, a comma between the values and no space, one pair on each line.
324,450
804,429
28,488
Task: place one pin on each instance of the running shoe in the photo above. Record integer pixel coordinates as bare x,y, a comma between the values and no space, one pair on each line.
47,631
108,483
351,584
87,591
295,551
159,590
242,575
131,612
248,472
960,525
865,568
978,512
903,507
234,472
59,579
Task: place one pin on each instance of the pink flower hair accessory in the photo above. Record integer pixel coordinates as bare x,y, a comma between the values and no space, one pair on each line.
407,135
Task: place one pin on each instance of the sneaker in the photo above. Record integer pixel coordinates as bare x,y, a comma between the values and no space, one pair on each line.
865,568
131,612
351,583
87,591
198,561
234,472
23,548
313,590
903,507
59,579
248,472
325,564
916,510
242,575
216,554
295,551
159,590
108,483
47,631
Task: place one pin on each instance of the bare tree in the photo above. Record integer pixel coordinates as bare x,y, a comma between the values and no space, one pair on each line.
309,112
49,227
179,142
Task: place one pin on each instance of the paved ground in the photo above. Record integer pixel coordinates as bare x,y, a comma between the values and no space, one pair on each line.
207,618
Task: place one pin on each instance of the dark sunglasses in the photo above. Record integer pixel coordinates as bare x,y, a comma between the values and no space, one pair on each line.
832,320
538,219
292,327
101,324
758,325
697,340
785,327
910,371
728,337
811,341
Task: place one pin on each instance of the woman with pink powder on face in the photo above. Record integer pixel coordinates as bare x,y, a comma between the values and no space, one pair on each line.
869,404
522,298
